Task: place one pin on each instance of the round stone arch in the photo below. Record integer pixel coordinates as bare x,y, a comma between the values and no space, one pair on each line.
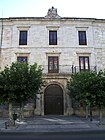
53,100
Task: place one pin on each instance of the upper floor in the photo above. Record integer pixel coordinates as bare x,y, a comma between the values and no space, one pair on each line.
52,31
58,44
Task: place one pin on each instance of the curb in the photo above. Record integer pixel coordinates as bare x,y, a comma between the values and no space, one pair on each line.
53,132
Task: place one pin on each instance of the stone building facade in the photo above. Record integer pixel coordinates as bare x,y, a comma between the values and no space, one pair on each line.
61,45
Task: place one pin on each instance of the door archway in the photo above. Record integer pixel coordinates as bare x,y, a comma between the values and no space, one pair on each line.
53,100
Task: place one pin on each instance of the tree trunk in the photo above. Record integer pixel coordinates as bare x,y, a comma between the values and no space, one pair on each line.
73,106
10,111
81,111
100,115
73,110
87,111
91,116
21,112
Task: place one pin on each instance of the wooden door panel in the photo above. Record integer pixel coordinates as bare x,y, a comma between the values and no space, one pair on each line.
53,101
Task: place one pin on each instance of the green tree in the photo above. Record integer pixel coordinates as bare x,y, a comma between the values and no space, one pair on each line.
100,92
21,82
81,87
7,96
1,88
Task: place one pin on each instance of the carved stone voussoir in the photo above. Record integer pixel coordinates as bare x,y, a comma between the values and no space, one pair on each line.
52,13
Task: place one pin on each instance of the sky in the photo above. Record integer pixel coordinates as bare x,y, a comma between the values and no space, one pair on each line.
65,8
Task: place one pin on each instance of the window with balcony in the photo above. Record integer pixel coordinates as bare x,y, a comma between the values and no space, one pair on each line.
82,38
23,38
52,37
22,59
53,64
84,63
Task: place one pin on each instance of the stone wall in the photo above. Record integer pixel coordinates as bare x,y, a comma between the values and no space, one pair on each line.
38,41
67,49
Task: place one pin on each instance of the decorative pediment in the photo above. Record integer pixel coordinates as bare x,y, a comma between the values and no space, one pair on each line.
52,13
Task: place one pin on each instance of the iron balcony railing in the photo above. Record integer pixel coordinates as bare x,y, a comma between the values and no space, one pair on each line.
76,69
68,69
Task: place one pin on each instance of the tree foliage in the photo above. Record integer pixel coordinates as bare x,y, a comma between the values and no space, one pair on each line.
88,88
20,82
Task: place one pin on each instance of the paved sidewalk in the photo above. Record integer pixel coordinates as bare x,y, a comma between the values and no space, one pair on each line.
54,124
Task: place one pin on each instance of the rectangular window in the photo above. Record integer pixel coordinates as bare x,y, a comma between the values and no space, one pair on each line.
84,63
22,59
23,38
52,37
82,37
53,64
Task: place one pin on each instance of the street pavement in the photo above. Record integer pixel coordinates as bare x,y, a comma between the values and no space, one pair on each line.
53,124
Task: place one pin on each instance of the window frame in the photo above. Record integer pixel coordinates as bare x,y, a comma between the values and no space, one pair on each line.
23,34
54,61
86,65
52,37
82,37
22,57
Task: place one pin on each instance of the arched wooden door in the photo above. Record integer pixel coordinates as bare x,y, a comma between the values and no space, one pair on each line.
53,100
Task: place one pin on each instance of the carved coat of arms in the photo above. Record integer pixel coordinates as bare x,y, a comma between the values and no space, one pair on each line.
52,13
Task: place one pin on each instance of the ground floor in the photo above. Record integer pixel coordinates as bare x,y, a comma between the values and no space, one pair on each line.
54,99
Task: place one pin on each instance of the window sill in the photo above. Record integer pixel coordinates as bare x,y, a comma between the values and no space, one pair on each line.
23,46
